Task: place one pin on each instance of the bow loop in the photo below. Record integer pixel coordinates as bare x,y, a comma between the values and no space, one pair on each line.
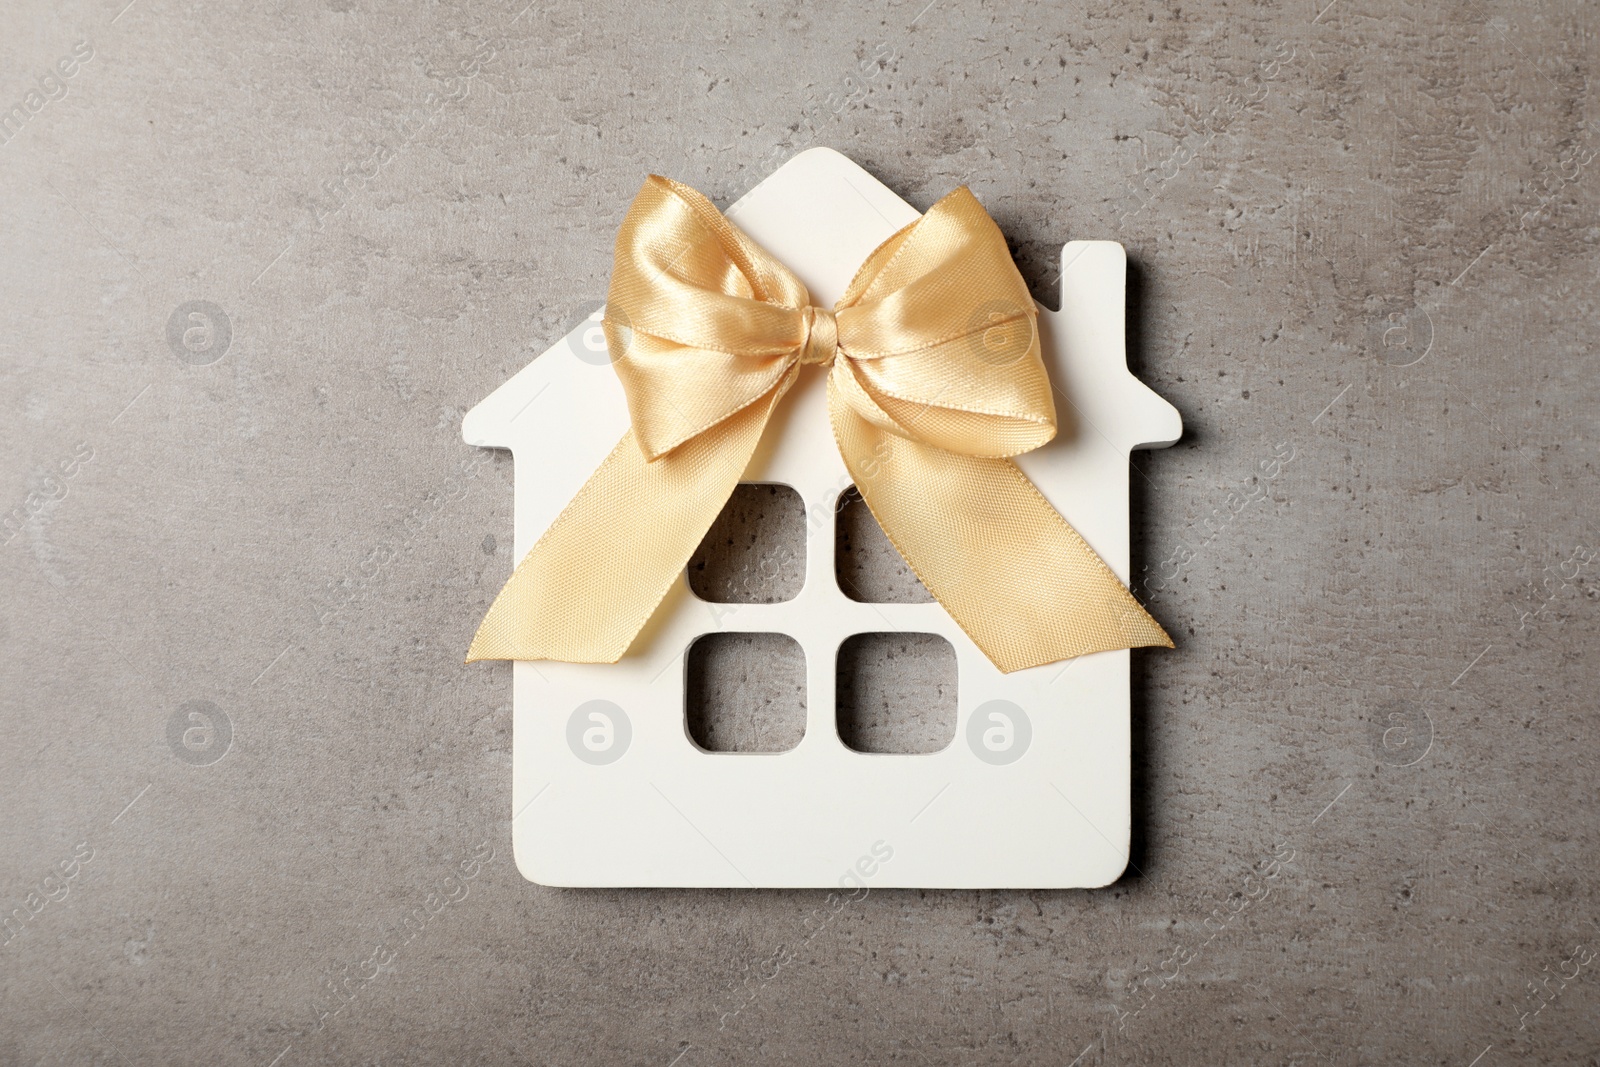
701,322
942,356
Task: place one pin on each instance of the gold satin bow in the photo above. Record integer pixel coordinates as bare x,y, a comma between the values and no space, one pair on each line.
935,380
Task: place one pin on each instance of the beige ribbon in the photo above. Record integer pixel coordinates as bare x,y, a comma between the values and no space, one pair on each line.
934,382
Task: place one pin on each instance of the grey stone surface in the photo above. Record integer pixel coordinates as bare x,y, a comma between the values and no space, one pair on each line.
248,781
745,692
896,692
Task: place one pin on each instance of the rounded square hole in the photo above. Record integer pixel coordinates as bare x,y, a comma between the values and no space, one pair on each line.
755,553
867,566
745,692
896,692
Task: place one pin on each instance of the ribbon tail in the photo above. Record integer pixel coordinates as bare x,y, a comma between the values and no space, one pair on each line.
586,589
1012,572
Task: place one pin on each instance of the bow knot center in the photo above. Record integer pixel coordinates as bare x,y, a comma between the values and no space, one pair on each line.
821,338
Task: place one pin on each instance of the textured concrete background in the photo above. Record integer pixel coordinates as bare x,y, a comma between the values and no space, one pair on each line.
1363,238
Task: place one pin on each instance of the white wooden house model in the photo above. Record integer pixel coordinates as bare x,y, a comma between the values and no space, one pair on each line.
609,789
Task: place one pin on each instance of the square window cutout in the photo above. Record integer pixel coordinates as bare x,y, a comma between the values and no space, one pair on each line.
868,567
897,693
745,692
755,553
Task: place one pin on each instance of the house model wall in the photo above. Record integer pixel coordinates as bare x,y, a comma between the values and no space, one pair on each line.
608,789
